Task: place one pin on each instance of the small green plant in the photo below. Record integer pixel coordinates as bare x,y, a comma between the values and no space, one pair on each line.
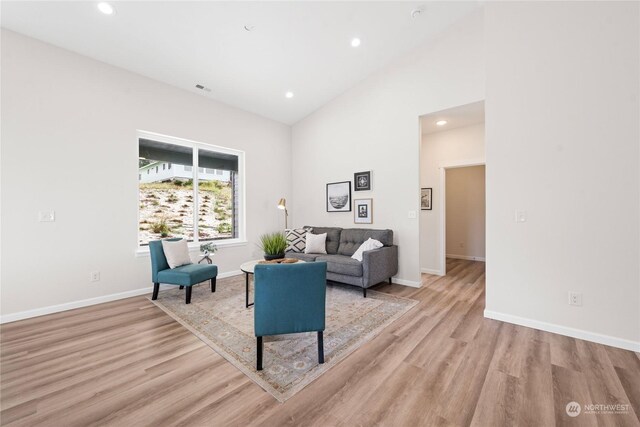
208,248
273,243
161,227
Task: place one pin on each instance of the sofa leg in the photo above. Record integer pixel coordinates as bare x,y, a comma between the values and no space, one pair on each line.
364,292
259,352
320,348
181,287
390,282
188,298
213,284
156,288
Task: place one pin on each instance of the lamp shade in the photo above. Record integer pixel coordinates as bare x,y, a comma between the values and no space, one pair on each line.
282,204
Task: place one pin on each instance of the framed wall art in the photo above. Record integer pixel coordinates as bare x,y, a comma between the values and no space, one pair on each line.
339,196
425,199
363,211
362,181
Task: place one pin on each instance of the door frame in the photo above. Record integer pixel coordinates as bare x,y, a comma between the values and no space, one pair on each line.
443,208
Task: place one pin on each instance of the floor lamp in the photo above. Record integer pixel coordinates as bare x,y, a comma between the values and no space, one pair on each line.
282,204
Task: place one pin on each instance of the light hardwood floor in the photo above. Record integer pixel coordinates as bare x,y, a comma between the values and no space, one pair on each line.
127,363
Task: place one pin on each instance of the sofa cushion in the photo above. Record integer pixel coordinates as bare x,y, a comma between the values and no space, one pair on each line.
333,237
352,238
340,264
302,256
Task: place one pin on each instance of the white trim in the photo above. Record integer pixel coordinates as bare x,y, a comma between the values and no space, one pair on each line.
432,271
443,212
564,330
467,257
13,317
143,251
404,282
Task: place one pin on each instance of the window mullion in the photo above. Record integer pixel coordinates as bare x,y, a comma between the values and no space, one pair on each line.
196,200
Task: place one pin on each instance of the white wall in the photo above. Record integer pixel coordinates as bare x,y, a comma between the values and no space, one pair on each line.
441,149
562,118
69,144
465,213
375,126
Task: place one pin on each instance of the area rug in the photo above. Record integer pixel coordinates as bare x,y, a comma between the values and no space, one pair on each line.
221,320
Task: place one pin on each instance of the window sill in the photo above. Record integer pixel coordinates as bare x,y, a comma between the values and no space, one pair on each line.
143,251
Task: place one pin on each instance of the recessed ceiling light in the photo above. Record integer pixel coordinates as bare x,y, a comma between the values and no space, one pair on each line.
355,42
441,122
289,94
106,8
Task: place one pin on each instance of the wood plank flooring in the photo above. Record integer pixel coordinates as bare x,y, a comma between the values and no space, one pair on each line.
127,363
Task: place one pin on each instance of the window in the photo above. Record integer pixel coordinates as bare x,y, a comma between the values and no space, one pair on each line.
219,172
188,204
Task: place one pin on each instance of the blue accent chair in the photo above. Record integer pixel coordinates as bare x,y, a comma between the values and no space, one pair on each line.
183,276
289,298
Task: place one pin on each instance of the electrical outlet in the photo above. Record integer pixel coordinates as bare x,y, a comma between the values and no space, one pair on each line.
46,216
521,216
461,244
94,276
575,298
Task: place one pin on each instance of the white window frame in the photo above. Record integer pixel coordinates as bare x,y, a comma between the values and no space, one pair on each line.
240,211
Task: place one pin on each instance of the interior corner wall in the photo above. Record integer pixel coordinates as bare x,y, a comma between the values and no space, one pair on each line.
69,144
375,126
440,149
562,119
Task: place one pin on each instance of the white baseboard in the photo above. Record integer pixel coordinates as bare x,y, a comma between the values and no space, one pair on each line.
13,317
564,330
467,257
430,271
404,282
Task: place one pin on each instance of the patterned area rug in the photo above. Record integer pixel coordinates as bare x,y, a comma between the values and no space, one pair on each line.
221,320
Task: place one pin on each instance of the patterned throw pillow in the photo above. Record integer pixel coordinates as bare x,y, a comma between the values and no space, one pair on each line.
296,239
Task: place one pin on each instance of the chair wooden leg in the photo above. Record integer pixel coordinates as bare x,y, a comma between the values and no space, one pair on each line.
188,298
181,287
213,284
156,288
364,292
320,348
259,362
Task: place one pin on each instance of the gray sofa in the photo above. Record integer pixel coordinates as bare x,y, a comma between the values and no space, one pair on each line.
377,265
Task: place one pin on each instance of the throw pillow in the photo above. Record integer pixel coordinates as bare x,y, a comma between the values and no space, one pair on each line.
316,244
296,239
369,245
176,252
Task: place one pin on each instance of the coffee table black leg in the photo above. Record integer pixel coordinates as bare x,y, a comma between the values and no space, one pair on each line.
246,278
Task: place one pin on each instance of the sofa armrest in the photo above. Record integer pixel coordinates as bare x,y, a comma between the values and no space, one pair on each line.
379,265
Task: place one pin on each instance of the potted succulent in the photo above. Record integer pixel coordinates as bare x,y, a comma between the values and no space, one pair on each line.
273,245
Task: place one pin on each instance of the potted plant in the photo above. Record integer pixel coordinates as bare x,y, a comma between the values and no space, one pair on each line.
273,245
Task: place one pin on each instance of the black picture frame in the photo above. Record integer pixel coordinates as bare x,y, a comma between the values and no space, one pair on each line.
362,181
339,196
426,198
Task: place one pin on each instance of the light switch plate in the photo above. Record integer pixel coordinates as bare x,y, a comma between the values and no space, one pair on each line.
521,216
46,216
412,214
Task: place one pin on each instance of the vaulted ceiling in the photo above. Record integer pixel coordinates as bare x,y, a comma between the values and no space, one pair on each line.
297,46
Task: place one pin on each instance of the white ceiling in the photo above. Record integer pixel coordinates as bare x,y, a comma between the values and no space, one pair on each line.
457,117
303,47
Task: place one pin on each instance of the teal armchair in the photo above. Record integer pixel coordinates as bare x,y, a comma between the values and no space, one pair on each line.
289,298
183,276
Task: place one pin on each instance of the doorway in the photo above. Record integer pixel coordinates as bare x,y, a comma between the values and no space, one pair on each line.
452,140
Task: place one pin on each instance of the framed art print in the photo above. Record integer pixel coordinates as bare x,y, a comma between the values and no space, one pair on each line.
425,199
363,211
362,181
339,196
